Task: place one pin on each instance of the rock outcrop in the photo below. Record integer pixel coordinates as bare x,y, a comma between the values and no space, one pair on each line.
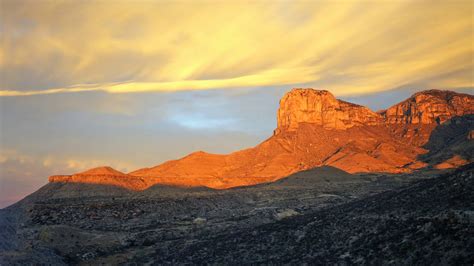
316,129
320,107
430,107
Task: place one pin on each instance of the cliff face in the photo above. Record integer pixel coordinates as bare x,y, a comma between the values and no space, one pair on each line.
412,120
315,129
430,107
320,107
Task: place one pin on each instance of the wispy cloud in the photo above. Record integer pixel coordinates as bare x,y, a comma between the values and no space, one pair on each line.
49,47
280,76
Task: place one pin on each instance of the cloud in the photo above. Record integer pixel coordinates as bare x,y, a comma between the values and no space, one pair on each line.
261,79
51,47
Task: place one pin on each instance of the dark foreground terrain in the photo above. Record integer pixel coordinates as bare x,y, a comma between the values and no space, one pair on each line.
320,216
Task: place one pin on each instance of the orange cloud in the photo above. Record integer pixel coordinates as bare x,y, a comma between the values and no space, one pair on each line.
146,46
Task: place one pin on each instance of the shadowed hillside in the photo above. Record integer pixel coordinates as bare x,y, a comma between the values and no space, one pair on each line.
451,143
323,215
429,222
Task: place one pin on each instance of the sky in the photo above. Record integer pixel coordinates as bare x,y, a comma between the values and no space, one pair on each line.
132,84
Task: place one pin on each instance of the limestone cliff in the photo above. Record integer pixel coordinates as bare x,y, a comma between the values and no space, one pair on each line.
320,107
430,107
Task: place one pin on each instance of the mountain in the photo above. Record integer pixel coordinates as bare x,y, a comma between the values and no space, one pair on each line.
316,129
336,183
430,107
104,176
415,118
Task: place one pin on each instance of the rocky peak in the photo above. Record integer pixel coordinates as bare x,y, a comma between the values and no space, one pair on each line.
430,107
321,108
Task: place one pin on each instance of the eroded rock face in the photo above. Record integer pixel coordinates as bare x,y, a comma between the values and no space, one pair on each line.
321,108
430,107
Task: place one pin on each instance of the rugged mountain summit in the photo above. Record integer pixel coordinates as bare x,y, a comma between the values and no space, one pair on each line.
320,107
430,107
415,118
315,129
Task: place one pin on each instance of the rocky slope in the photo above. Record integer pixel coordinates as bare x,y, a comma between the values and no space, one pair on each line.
315,129
319,216
429,222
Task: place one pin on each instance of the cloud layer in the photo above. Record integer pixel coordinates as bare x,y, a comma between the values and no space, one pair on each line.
50,47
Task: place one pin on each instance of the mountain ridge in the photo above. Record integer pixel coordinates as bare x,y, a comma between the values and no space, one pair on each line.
313,129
